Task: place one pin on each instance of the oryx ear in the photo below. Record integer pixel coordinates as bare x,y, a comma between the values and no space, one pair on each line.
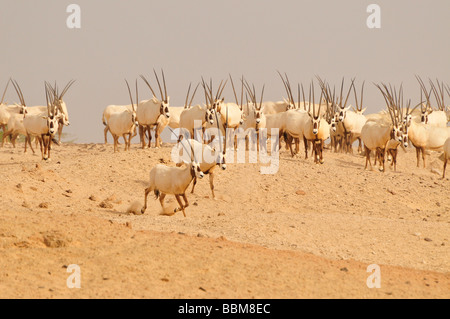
223,99
430,111
363,110
285,101
348,108
168,99
45,117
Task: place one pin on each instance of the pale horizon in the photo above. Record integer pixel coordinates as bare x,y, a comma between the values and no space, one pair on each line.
121,40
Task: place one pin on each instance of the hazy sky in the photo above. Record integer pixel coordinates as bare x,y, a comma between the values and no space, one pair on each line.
188,39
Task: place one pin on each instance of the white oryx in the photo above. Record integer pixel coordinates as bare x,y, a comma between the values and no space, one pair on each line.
172,180
209,156
425,136
377,133
149,111
43,126
123,123
316,129
110,109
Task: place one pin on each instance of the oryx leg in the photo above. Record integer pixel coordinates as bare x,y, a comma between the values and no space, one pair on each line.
149,132
423,156
445,165
45,142
418,155
368,157
5,135
193,183
186,203
116,140
106,133
211,184
60,128
147,191
181,206
161,199
305,142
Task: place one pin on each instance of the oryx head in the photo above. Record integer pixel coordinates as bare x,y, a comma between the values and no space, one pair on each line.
59,102
254,104
196,171
394,103
164,101
53,113
315,118
342,105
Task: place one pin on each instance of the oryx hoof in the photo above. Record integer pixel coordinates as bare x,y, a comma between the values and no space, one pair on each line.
321,161
142,210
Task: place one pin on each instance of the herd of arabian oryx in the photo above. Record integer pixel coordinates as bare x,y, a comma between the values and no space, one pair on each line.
292,120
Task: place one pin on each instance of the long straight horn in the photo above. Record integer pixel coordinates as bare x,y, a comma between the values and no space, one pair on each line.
159,85
18,91
356,98
303,95
234,91
262,94
207,98
242,94
313,99
137,96
165,88
348,94
423,88
187,96
66,88
447,89
129,92
223,87
362,97
46,98
320,103
436,95
309,99
291,96
342,94
193,94
4,92
218,90
148,84
284,83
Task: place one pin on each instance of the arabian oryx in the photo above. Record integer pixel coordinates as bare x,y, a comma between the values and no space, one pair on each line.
124,123
425,136
43,126
173,180
316,128
377,133
149,111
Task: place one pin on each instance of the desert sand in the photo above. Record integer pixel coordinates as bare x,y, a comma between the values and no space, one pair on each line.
309,231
